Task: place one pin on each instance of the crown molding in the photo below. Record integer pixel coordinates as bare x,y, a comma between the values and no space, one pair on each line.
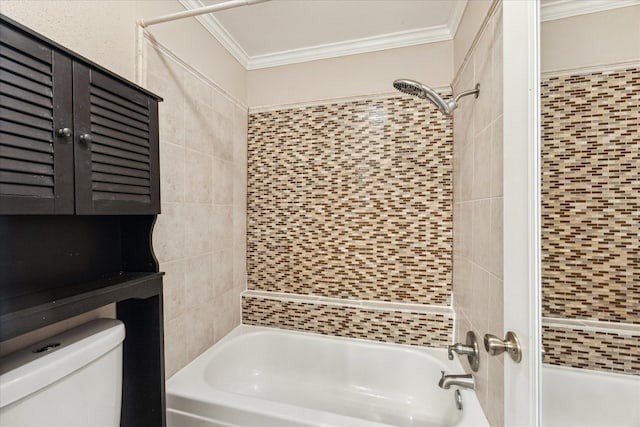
325,51
351,47
566,8
215,28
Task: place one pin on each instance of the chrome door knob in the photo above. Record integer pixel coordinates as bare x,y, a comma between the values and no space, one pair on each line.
85,138
510,344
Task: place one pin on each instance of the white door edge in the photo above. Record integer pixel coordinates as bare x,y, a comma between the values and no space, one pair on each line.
522,290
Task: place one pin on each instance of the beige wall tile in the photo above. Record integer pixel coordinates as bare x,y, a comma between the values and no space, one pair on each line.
479,303
494,262
199,289
174,292
478,228
223,181
481,232
198,225
221,127
199,330
227,313
198,177
467,165
482,164
465,230
176,355
169,233
496,158
198,132
197,91
495,320
495,391
172,172
222,105
222,228
462,284
221,265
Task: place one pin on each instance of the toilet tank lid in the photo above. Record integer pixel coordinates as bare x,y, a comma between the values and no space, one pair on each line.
27,371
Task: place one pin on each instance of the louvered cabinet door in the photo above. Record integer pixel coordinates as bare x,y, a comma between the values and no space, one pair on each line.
36,163
116,150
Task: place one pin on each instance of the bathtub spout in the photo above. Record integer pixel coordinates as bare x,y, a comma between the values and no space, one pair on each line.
462,380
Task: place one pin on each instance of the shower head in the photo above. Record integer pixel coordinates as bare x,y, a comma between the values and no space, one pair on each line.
412,87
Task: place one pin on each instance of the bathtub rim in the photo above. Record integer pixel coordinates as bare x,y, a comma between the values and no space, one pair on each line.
440,354
184,384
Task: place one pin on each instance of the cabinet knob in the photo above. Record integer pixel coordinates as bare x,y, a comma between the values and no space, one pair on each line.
64,132
85,138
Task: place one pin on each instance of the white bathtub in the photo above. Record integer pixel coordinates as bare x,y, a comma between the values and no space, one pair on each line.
269,377
581,398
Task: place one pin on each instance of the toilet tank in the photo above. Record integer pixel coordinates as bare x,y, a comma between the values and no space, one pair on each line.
71,379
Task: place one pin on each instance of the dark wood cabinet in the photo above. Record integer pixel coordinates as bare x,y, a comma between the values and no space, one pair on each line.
36,165
79,195
73,137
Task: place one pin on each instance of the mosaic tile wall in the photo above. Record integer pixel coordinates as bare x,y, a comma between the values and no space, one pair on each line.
351,200
591,203
592,350
433,330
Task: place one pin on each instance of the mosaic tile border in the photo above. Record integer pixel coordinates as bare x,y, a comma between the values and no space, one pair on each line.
590,349
399,327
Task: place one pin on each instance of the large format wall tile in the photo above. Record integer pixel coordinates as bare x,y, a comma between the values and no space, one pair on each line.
196,238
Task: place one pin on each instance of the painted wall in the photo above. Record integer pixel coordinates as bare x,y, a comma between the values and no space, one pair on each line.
347,76
104,32
478,208
602,38
199,238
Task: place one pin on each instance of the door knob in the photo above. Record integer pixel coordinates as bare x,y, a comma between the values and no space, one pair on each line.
510,344
85,138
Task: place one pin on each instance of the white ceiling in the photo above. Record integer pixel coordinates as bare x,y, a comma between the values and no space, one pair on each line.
287,31
281,32
278,26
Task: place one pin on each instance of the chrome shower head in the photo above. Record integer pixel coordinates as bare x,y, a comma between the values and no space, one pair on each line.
414,88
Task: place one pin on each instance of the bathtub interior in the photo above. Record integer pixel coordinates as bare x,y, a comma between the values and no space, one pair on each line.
582,398
332,375
320,380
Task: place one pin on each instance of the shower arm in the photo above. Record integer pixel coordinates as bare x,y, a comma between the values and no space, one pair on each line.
475,92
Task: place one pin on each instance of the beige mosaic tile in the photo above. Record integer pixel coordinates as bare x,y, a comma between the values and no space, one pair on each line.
591,216
592,350
400,327
351,200
591,196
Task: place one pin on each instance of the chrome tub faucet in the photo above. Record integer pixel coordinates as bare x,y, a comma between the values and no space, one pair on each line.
461,380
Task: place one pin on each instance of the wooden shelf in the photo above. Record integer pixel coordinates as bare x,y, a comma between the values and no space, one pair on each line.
25,313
